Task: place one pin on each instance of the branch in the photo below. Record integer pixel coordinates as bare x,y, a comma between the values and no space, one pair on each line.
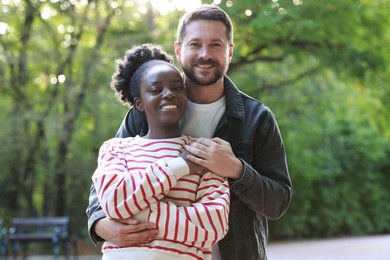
252,57
284,83
308,46
24,39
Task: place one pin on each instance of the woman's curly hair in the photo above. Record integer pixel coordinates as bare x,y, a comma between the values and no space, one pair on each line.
125,82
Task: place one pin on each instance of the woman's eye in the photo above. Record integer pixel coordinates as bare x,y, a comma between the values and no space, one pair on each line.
154,90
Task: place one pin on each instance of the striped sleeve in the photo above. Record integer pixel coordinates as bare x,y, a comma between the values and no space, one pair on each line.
123,192
201,224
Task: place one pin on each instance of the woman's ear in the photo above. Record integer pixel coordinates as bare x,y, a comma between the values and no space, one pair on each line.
138,104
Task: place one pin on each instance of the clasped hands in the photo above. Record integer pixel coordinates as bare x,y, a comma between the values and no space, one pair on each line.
214,154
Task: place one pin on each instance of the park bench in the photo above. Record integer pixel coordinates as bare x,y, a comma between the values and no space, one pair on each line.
46,229
3,231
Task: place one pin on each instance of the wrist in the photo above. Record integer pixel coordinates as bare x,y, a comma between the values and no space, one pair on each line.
97,228
237,170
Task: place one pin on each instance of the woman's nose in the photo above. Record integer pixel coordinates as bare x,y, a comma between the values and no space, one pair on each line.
168,93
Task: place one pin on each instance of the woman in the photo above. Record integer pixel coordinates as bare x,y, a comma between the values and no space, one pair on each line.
149,178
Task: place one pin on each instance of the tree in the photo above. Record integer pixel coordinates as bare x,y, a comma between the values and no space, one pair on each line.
57,57
49,72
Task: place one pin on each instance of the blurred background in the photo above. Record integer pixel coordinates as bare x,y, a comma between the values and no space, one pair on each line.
323,67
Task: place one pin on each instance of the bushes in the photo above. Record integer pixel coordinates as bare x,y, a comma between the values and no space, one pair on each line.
338,161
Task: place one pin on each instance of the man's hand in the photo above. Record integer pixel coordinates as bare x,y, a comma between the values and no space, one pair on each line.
125,233
216,155
194,168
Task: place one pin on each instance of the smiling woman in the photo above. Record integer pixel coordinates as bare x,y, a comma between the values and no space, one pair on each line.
149,178
166,6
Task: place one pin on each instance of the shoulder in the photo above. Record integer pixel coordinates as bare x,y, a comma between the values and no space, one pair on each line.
134,123
118,143
254,107
121,140
241,105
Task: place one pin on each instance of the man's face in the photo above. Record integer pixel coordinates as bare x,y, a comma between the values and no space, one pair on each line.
205,52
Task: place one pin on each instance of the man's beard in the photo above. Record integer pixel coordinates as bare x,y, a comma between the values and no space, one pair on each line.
190,73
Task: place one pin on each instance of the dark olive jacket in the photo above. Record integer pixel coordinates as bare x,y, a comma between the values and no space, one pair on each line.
264,190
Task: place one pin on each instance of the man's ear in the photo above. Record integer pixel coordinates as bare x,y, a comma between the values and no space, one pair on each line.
138,104
177,47
231,52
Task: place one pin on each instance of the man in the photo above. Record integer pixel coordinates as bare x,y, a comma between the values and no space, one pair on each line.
247,147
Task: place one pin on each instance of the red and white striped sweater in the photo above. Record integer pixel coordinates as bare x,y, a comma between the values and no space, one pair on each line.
145,179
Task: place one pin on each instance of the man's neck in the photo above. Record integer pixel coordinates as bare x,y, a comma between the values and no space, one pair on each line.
204,94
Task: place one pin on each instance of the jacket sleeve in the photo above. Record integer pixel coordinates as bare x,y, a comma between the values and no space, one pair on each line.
133,124
94,213
123,193
265,186
200,224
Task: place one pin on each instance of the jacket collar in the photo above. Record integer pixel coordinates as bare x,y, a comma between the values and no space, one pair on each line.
234,102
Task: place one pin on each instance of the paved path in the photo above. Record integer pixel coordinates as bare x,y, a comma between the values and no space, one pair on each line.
356,248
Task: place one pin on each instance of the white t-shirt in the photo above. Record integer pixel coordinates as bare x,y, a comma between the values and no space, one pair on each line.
200,120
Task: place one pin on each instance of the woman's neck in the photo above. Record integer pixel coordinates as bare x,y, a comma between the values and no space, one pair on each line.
163,133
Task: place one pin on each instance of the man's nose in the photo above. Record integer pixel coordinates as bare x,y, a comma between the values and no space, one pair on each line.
205,52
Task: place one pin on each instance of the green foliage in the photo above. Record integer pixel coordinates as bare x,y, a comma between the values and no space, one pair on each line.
337,155
322,67
340,33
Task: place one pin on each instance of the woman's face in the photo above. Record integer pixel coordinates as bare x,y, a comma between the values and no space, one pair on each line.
162,96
